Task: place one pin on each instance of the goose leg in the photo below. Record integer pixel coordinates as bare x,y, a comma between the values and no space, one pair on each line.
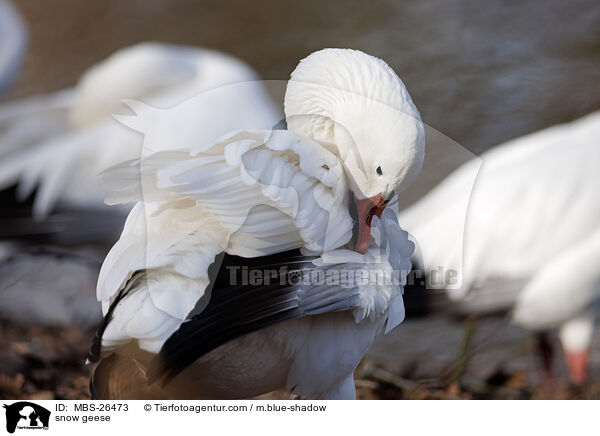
577,362
464,353
545,349
576,338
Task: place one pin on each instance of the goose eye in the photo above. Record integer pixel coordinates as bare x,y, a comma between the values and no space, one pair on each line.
379,171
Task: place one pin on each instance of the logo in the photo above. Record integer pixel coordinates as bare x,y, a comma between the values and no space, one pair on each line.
26,415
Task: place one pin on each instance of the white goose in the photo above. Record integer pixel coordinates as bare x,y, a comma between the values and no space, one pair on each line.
565,294
59,143
534,202
176,315
12,44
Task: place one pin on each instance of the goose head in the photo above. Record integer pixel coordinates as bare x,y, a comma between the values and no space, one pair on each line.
357,107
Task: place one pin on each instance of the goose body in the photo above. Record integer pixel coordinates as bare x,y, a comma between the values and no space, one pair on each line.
564,295
529,202
58,144
173,290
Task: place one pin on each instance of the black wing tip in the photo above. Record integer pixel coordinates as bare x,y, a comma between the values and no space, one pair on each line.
94,352
174,358
208,330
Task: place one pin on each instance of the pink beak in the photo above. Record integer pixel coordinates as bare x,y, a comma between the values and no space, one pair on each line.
367,208
577,364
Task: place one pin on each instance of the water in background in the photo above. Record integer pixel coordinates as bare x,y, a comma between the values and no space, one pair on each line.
481,72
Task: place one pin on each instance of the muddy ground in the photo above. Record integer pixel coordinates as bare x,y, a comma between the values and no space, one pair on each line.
48,363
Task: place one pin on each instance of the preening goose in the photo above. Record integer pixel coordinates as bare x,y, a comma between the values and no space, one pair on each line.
12,44
533,201
235,274
59,143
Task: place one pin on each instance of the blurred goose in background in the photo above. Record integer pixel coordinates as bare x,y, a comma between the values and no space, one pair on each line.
178,313
533,201
53,295
565,295
57,144
12,44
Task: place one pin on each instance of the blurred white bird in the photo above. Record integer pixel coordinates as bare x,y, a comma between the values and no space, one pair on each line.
565,294
192,327
12,44
59,143
532,201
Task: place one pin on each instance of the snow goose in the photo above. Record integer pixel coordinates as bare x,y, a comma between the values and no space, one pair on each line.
565,295
12,44
59,143
530,201
181,308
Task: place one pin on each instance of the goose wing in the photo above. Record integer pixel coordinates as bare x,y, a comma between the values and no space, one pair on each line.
250,194
292,286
